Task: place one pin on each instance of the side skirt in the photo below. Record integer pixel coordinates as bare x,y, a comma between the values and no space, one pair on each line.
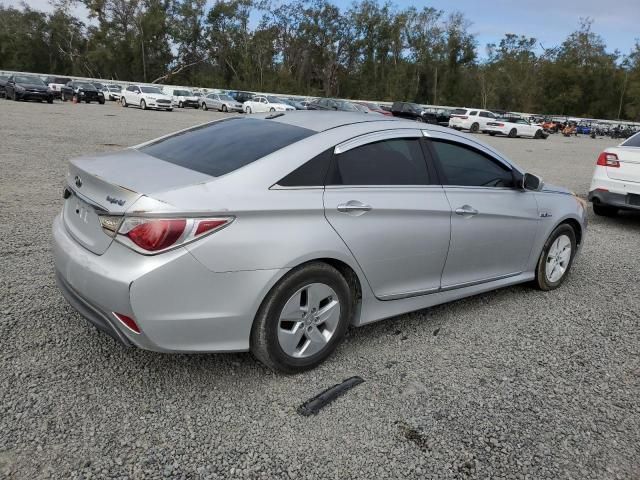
373,310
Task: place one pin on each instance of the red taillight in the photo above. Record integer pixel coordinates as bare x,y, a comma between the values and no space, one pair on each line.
128,322
501,125
608,160
157,235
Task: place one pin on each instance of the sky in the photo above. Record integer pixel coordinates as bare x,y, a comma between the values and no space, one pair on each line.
549,21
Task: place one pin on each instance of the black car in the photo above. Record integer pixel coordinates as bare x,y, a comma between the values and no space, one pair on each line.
27,87
332,104
413,111
240,96
82,91
3,83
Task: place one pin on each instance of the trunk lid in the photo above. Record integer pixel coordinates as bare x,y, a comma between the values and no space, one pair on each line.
629,169
109,184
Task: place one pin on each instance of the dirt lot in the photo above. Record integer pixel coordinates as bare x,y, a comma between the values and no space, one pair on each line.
512,384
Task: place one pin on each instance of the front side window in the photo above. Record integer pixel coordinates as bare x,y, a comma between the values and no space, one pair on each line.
397,161
465,166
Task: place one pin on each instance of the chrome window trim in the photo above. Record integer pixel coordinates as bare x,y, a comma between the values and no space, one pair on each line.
376,137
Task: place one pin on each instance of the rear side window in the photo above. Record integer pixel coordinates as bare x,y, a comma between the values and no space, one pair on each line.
311,174
221,147
633,141
465,166
398,161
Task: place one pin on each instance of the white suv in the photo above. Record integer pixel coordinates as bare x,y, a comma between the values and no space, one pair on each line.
145,97
469,119
616,181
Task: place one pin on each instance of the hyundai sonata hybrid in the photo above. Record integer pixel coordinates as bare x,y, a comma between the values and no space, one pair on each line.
276,232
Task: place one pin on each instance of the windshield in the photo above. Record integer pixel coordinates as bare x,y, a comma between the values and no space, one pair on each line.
155,90
221,147
86,86
347,106
114,88
29,79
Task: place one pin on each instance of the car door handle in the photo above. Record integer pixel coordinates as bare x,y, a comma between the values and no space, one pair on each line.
354,206
466,210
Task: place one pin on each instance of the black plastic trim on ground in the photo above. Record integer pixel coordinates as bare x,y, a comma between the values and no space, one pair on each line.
313,405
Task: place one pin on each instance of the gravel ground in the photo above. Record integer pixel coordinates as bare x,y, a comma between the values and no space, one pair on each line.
512,384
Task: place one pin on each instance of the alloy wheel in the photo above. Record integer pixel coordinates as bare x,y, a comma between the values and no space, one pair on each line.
308,320
558,258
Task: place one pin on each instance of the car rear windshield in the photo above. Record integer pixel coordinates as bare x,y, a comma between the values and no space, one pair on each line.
633,141
459,111
224,146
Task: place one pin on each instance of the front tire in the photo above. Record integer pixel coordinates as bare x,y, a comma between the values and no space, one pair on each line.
556,258
224,108
303,319
143,105
123,102
204,106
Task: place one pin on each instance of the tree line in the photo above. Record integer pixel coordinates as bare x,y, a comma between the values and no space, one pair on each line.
312,47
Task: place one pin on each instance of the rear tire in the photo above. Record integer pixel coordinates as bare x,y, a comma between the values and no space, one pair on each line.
513,133
224,108
604,210
554,258
474,128
123,102
204,106
538,135
49,100
270,327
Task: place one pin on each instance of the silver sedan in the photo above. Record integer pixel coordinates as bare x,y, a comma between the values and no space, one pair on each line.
273,234
220,102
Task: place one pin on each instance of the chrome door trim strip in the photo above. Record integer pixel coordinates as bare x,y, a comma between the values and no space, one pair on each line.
478,282
429,291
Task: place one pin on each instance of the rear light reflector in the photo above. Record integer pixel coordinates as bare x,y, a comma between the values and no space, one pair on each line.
155,235
128,322
608,160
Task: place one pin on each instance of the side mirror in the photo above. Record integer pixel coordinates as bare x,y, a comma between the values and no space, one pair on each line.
532,182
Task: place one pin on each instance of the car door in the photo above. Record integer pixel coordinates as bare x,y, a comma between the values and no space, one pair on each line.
386,205
485,117
493,224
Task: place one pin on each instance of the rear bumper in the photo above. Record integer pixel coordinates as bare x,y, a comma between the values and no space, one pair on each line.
179,304
624,201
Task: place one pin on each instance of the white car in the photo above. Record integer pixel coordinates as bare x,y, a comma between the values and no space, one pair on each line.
266,103
145,97
55,84
112,92
616,181
474,120
181,97
514,127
